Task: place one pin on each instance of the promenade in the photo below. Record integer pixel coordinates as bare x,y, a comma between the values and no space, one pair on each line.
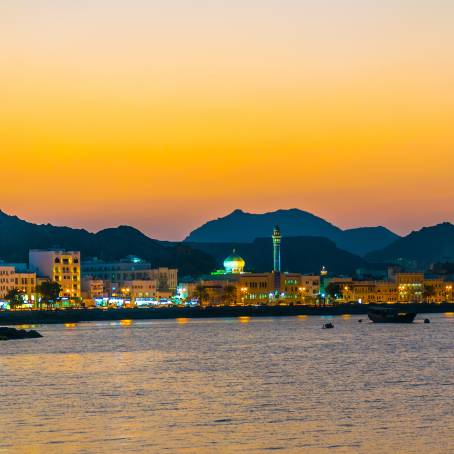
88,315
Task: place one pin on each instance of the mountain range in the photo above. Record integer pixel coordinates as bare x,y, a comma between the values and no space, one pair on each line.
18,236
243,227
426,246
308,243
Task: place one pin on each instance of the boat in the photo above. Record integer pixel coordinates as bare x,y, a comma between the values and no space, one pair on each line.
328,326
390,315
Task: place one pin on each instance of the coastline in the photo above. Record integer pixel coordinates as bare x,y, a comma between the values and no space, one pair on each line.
91,315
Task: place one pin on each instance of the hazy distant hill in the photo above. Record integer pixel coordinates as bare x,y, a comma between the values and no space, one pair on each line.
243,227
298,254
430,244
18,236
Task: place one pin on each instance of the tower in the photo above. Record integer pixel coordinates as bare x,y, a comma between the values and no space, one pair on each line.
277,249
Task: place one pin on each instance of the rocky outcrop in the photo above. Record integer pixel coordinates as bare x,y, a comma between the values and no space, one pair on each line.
13,333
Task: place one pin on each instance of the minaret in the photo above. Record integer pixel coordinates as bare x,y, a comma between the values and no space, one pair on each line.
277,249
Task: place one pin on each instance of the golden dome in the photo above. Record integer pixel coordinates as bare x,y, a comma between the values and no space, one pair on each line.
234,263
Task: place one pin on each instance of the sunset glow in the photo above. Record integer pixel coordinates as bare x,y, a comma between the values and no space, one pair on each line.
163,115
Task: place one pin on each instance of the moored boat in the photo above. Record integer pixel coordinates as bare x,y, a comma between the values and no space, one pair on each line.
390,315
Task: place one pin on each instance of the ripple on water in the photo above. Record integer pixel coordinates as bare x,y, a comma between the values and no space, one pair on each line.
230,386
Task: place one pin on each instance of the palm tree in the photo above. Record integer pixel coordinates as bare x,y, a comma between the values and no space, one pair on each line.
229,294
49,292
15,298
201,293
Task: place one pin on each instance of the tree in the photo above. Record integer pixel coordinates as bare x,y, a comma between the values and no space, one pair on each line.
334,290
15,298
429,291
201,294
229,294
49,292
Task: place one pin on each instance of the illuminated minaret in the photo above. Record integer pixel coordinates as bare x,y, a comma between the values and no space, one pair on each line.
277,249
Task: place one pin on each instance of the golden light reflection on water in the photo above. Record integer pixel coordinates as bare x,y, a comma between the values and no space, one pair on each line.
92,389
346,316
126,322
70,325
302,317
244,319
26,326
449,314
182,320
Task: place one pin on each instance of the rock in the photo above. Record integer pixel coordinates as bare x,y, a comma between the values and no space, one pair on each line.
13,333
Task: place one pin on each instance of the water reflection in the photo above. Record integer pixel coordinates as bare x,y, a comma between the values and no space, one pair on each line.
70,325
213,386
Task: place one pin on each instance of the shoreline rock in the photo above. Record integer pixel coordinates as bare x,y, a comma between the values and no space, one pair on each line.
13,333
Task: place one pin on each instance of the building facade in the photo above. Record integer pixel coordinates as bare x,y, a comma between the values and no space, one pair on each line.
59,266
7,280
118,275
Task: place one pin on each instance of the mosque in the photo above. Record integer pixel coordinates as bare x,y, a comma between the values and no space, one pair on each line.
270,288
234,264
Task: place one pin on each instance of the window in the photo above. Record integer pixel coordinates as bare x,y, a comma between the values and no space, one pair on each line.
57,260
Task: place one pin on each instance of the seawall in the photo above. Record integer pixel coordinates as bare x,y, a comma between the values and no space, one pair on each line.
87,315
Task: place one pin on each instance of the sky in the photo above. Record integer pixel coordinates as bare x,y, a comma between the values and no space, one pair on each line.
163,114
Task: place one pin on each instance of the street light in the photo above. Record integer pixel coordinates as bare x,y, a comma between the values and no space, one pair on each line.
449,292
244,294
303,294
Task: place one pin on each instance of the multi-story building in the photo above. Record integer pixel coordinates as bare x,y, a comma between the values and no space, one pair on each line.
310,288
92,288
17,278
400,288
410,286
146,288
117,273
370,292
7,280
235,286
60,266
276,288
25,282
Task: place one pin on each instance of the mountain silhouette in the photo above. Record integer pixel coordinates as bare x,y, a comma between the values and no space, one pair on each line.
243,227
18,236
298,254
425,246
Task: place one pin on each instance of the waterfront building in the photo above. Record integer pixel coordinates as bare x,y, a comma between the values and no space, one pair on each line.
7,279
233,285
400,288
369,292
116,274
260,288
92,288
17,276
25,282
146,288
59,266
234,264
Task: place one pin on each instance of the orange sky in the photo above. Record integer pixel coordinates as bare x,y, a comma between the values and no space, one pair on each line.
163,116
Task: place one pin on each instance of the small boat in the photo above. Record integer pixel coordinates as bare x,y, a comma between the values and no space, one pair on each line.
328,325
390,315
